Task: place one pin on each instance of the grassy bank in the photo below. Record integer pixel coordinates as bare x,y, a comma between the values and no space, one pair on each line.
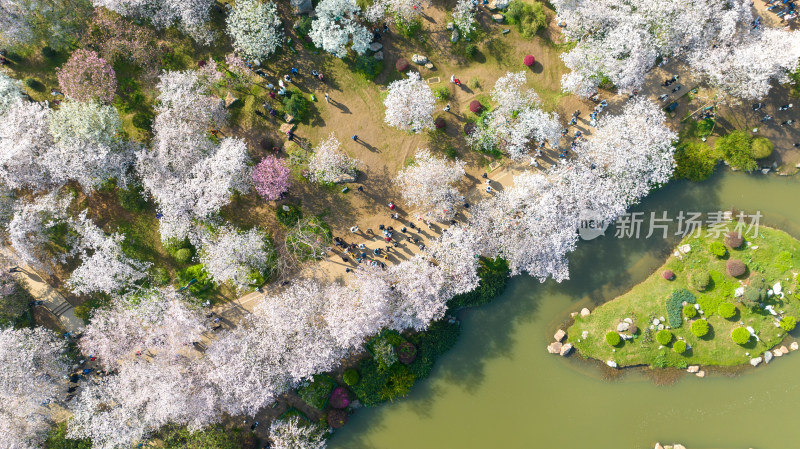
701,276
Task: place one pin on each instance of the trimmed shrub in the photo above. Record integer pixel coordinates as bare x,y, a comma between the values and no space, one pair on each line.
401,65
699,280
726,310
475,106
529,17
398,384
762,147
441,93
439,123
679,347
700,328
406,352
735,267
740,336
675,306
369,66
317,392
340,398
717,249
529,60
183,256
337,418
296,105
469,128
695,161
733,240
668,275
788,323
664,337
737,149
613,338
350,377
689,311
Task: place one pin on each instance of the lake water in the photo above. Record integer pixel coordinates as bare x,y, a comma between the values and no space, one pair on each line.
499,388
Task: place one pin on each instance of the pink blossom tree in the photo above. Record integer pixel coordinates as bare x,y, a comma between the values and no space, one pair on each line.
86,76
271,178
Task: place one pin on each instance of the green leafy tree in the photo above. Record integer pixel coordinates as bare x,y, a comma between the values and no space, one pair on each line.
664,337
737,149
740,336
762,147
695,161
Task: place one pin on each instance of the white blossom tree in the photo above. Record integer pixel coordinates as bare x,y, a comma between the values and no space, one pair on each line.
456,254
55,23
255,28
32,377
464,15
516,121
10,92
428,184
329,162
410,104
34,227
104,267
292,434
238,258
336,25
24,139
421,293
190,15
406,11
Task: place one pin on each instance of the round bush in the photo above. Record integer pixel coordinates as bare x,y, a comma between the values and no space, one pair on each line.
668,275
735,267
733,240
401,65
337,418
762,147
340,398
475,106
699,280
350,377
740,336
663,337
718,249
679,347
788,323
700,328
406,352
529,60
726,310
469,128
183,256
613,338
689,311
439,123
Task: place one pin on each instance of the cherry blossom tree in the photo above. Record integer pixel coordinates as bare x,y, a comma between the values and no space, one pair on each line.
456,254
88,148
336,25
34,225
104,267
255,28
115,37
464,15
271,178
238,258
421,293
405,11
32,377
86,76
292,434
428,184
10,92
30,22
24,139
190,15
410,104
516,121
329,162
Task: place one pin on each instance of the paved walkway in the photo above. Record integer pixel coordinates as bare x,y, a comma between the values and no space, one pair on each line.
51,299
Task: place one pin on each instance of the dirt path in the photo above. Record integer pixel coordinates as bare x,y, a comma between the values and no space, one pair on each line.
51,299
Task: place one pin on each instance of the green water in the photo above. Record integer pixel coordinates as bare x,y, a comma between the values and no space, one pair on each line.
499,388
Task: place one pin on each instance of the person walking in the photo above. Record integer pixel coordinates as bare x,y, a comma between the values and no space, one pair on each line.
354,229
355,137
447,107
327,98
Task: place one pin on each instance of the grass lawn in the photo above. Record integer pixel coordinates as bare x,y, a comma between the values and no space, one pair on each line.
772,255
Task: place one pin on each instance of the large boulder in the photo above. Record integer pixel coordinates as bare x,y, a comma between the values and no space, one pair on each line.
585,312
454,36
767,357
623,326
560,334
611,363
565,350
499,4
756,361
375,46
693,369
794,346
419,59
344,178
301,6
378,55
498,18
554,348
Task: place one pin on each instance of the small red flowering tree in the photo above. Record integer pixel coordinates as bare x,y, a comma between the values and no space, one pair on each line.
86,76
271,178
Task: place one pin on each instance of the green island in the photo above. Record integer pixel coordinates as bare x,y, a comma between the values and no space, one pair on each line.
719,299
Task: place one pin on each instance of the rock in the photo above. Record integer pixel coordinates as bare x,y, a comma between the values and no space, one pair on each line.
286,127
554,348
794,346
378,55
767,357
301,6
498,4
777,288
498,18
700,374
344,178
663,320
628,320
375,46
777,353
661,327
429,66
506,31
584,334
573,314
684,248
454,36
623,326
678,446
419,59
764,171
611,363
560,334
656,322
693,369
755,361
585,312
565,350
738,292
658,446
697,306
450,26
